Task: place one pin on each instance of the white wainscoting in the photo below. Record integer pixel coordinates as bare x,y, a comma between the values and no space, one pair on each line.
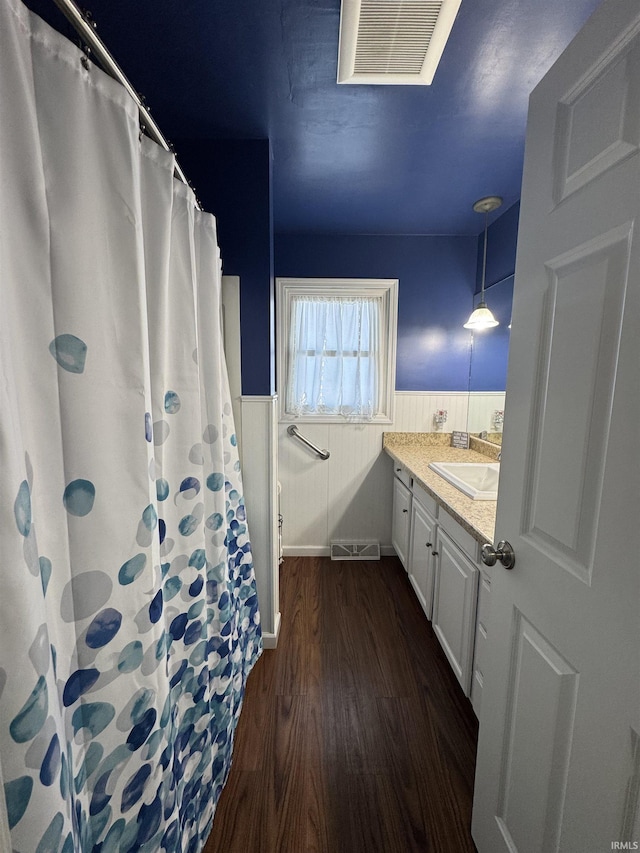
343,497
482,408
415,411
260,478
348,496
230,310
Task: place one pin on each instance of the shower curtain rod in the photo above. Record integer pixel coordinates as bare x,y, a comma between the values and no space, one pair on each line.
86,29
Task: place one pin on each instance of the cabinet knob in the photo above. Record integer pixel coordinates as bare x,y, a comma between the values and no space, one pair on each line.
435,553
429,544
405,510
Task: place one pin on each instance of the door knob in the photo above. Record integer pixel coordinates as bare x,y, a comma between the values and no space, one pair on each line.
504,552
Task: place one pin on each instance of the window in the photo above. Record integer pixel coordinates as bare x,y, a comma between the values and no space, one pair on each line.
336,349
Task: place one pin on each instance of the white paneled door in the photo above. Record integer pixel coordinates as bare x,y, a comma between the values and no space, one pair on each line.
559,755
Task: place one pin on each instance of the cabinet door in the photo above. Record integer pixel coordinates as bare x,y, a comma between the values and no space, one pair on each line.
401,519
454,606
423,531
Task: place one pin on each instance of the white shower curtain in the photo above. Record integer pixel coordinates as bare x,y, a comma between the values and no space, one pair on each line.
128,610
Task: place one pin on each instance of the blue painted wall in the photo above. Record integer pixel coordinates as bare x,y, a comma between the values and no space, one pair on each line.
437,280
490,348
233,181
438,275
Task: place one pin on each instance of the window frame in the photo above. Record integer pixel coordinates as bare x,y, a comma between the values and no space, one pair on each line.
287,288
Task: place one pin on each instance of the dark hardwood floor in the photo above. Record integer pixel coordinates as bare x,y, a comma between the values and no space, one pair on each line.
355,736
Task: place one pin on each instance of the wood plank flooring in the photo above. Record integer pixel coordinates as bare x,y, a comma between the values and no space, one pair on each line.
354,736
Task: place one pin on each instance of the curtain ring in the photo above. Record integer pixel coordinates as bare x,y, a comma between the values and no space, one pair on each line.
85,60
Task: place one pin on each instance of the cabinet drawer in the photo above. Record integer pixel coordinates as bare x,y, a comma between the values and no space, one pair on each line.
428,502
465,541
402,474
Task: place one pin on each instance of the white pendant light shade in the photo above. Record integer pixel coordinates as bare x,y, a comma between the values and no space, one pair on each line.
481,317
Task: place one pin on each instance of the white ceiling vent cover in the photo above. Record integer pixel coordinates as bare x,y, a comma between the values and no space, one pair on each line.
393,42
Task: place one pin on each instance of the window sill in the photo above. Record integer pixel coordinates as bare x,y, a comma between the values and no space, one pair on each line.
335,419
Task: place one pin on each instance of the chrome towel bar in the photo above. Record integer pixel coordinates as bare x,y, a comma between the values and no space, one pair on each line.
293,430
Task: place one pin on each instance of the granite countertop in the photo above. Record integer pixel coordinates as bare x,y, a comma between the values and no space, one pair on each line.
416,450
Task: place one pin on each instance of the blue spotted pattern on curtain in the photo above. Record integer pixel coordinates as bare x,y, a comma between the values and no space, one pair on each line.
129,617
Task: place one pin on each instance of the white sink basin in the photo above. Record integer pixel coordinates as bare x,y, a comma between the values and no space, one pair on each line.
477,480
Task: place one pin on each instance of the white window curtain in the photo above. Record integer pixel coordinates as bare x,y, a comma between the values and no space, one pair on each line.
128,609
334,357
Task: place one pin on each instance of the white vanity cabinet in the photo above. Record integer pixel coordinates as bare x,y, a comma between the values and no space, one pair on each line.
455,596
443,564
422,545
401,518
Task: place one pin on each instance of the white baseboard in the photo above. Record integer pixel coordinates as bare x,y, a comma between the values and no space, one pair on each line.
270,639
325,551
306,551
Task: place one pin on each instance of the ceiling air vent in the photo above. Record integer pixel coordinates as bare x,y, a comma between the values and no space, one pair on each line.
393,42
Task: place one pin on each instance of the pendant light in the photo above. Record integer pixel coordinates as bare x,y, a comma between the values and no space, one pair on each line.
481,317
